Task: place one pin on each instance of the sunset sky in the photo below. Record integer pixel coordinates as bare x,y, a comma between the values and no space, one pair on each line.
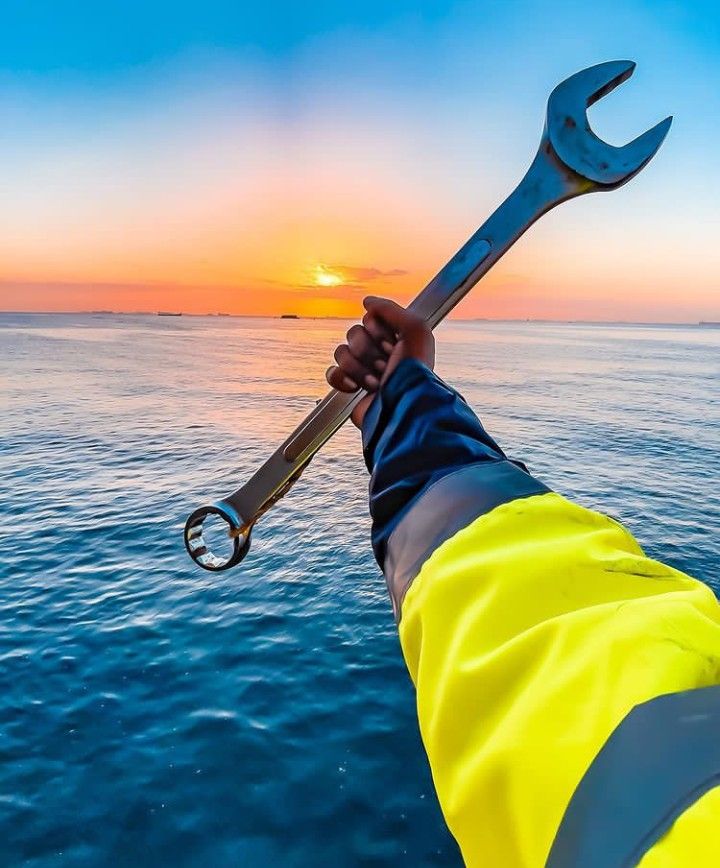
287,157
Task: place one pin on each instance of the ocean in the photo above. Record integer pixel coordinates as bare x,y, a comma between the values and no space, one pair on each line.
153,714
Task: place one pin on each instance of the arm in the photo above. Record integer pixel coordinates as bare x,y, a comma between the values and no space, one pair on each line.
556,666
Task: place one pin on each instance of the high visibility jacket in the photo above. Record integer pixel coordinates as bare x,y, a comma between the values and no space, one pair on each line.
567,684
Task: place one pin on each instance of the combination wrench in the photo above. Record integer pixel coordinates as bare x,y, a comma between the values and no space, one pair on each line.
570,161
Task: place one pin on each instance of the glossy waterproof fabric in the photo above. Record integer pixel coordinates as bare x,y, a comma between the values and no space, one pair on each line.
445,507
531,633
631,795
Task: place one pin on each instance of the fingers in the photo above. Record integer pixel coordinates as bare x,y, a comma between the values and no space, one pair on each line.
365,350
349,365
400,320
339,380
355,369
415,335
380,332
388,334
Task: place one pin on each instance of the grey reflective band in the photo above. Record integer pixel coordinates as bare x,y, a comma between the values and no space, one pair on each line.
446,507
658,762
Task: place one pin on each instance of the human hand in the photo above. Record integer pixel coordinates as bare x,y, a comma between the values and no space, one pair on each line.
388,334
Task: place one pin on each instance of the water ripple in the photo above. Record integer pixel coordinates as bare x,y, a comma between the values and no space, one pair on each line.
155,715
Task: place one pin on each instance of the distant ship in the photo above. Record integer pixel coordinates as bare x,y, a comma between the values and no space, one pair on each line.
289,316
168,313
223,314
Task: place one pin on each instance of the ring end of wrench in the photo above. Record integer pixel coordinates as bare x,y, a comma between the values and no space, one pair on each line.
216,538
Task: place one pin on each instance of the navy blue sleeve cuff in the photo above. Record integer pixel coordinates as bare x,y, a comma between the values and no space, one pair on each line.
416,431
408,373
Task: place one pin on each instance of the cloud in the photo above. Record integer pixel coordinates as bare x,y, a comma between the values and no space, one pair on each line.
352,279
364,274
337,291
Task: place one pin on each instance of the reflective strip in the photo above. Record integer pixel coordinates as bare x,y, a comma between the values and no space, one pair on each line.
446,507
658,762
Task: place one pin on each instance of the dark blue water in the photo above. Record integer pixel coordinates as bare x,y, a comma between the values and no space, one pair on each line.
153,714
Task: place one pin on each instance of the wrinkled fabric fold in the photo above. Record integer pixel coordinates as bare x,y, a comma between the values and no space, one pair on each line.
533,629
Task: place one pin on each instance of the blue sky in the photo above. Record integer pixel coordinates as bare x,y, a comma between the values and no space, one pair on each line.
98,39
116,113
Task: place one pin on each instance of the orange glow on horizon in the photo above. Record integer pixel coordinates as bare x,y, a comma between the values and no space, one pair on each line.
245,235
245,183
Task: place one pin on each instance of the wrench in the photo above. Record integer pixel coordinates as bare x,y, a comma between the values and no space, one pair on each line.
570,161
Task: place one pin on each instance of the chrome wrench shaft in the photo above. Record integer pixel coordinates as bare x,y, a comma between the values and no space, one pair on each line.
570,161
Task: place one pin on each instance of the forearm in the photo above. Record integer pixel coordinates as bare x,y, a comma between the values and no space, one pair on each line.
530,636
530,626
433,468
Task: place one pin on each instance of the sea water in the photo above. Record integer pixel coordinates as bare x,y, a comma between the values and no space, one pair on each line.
155,714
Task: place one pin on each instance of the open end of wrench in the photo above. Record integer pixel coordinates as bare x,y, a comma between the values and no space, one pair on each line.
571,161
214,538
577,145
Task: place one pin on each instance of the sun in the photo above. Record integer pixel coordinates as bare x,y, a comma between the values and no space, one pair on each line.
325,277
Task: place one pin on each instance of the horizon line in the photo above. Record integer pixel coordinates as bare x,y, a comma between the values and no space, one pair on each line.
225,315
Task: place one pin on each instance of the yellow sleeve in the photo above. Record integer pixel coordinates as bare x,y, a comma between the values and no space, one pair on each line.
530,634
567,685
